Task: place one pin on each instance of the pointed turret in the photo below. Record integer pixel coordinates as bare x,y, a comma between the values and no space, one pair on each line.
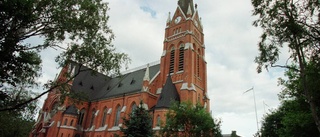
169,18
146,80
185,4
146,74
168,95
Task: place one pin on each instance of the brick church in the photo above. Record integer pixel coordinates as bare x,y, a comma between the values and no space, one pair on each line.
180,75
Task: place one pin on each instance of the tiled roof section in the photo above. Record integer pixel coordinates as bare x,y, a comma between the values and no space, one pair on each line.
168,94
98,86
71,110
126,84
184,5
88,81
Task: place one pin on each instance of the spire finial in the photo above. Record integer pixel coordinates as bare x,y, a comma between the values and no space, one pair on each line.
169,18
146,75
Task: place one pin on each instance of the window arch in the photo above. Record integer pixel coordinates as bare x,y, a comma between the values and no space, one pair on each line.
117,116
198,63
65,121
171,67
54,109
158,121
81,117
133,107
181,57
92,117
104,117
71,123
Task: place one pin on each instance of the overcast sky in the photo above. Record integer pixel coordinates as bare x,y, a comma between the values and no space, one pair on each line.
231,46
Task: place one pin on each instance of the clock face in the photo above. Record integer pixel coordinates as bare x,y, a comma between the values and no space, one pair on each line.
177,20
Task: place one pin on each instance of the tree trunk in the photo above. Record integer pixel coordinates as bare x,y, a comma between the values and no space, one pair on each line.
302,64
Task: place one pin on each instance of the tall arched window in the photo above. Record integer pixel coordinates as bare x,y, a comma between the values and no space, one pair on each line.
198,63
54,109
104,117
65,121
181,57
133,107
158,121
81,117
71,123
171,69
92,117
116,121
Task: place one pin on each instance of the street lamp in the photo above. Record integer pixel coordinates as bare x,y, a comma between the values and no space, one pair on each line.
255,105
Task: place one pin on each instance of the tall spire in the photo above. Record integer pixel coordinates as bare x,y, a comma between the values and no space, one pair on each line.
184,5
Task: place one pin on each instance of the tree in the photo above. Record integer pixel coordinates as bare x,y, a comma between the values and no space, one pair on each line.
18,122
188,120
138,124
82,24
291,119
293,24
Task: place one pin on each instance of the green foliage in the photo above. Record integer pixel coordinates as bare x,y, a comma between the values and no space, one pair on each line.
138,124
293,24
77,27
18,122
190,121
291,119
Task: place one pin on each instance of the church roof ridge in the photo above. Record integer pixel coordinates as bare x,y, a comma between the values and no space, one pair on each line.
141,67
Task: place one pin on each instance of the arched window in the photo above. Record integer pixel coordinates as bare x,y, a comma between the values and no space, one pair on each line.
54,109
92,117
133,107
171,69
71,123
65,121
198,63
158,121
181,57
104,117
81,117
116,121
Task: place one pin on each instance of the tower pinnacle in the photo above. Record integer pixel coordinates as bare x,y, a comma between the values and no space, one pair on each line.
184,5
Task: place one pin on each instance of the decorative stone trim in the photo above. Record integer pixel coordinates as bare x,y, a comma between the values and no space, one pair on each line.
179,81
185,87
114,128
109,111
158,90
156,128
102,128
154,77
97,112
68,127
124,109
164,53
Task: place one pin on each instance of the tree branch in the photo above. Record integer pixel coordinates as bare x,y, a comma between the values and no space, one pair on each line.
43,93
286,67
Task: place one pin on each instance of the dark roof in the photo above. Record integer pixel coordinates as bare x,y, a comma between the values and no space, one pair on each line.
168,94
184,5
71,110
88,81
98,86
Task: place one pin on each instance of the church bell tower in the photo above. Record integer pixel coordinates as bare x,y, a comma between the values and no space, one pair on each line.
183,57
